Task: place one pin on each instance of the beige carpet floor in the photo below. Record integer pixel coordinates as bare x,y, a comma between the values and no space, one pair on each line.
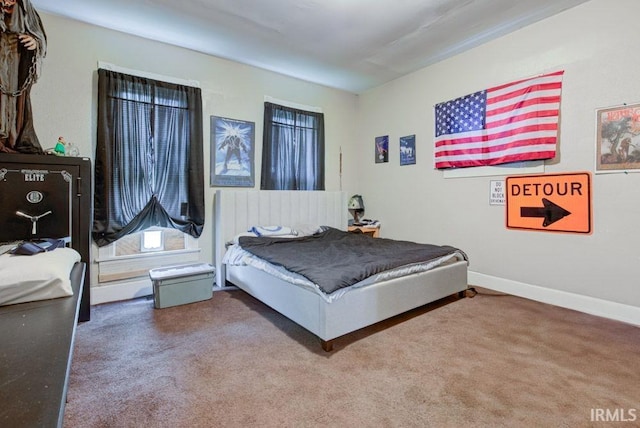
486,361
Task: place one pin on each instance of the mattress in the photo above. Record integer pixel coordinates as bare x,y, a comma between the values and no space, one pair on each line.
236,256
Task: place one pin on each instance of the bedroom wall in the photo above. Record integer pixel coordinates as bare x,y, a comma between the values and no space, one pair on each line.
595,44
592,43
64,99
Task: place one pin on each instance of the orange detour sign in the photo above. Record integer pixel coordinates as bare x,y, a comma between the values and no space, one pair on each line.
550,202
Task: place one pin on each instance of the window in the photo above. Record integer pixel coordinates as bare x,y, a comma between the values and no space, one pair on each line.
132,255
151,240
293,149
148,170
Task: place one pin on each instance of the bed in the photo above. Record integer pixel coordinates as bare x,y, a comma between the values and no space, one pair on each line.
42,295
236,211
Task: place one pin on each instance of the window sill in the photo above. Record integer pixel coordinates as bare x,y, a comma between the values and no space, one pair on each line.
138,265
148,255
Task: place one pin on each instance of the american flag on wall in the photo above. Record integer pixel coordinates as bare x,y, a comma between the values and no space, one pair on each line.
509,123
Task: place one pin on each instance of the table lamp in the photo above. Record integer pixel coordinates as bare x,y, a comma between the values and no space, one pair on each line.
356,207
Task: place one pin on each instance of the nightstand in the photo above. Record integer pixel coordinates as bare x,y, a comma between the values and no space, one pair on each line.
367,230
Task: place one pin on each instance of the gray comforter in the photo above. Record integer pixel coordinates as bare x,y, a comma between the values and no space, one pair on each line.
334,259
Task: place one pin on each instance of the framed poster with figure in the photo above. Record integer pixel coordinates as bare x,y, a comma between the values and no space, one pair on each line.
382,149
618,139
232,152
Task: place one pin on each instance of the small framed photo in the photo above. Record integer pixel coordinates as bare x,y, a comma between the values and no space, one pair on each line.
232,152
618,139
408,150
382,149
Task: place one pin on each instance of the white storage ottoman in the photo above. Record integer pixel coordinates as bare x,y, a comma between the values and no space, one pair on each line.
182,284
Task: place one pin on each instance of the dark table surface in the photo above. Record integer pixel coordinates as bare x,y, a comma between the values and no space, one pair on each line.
36,345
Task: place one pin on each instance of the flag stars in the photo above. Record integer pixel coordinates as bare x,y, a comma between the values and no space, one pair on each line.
461,115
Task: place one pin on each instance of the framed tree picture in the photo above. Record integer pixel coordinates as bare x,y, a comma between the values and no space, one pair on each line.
232,152
618,139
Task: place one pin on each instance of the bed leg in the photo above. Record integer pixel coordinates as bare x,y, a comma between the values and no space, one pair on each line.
469,292
327,345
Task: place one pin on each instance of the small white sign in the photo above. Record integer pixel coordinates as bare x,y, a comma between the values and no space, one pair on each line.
497,192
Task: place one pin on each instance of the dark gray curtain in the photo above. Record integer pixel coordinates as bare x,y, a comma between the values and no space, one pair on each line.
148,165
292,149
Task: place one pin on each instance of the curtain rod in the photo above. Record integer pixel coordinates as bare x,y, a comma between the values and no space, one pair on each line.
148,75
292,104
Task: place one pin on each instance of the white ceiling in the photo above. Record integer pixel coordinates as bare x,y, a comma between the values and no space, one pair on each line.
347,44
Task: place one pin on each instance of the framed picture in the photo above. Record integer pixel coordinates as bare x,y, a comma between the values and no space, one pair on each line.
408,150
382,149
618,139
232,152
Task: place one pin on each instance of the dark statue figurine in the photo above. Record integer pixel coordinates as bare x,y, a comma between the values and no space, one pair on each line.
23,45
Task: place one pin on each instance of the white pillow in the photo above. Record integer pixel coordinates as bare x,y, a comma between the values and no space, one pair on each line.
272,231
37,277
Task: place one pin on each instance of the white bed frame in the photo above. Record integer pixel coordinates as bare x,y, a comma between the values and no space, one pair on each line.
237,210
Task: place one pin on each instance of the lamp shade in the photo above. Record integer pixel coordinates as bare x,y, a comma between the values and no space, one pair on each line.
356,207
356,203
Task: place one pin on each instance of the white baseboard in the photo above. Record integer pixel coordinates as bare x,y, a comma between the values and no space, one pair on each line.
126,290
590,305
121,290
132,289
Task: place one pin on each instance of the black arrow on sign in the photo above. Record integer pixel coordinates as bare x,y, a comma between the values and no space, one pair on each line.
550,212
